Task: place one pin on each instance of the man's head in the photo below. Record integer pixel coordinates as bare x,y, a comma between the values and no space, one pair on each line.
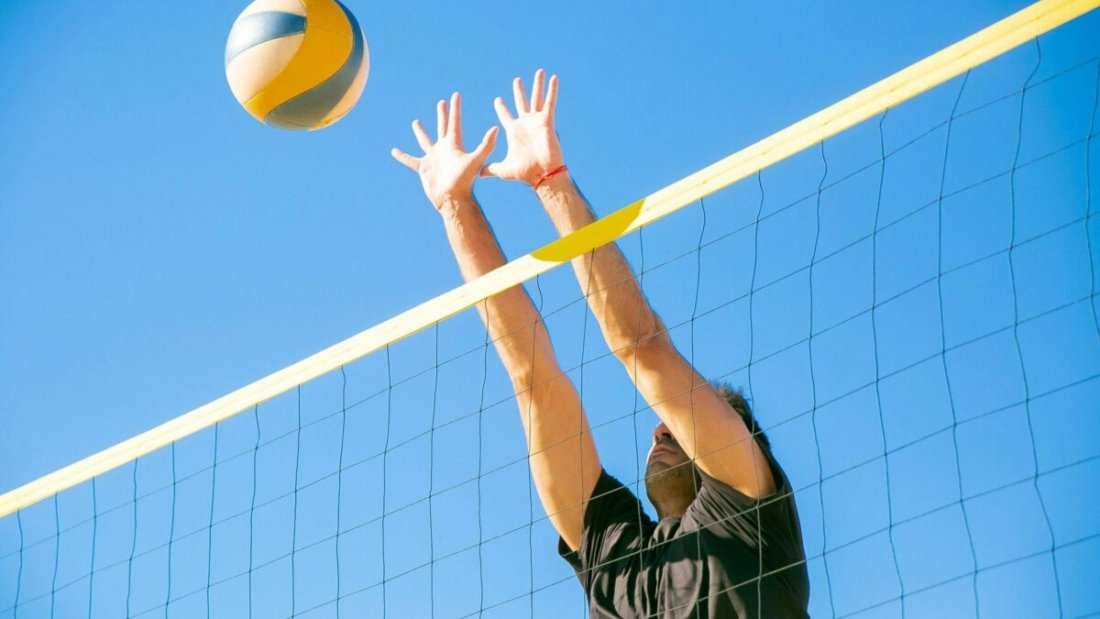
671,477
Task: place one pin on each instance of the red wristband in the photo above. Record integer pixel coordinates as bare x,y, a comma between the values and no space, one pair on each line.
549,175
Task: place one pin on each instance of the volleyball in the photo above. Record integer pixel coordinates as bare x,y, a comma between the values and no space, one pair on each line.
299,65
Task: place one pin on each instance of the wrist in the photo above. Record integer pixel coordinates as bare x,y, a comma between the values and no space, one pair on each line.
555,178
553,184
563,202
451,203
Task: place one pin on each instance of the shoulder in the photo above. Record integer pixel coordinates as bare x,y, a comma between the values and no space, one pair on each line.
718,501
614,525
612,504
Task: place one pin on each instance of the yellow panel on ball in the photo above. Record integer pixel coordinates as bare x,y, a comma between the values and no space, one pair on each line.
297,64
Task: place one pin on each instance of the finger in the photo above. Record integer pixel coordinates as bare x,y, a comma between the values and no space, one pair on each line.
519,96
536,91
481,153
421,136
503,113
408,160
454,122
551,96
496,169
441,119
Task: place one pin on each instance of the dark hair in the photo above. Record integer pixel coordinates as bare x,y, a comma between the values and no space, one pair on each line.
736,399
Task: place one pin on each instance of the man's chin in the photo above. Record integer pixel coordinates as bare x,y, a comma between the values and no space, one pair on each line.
669,485
656,466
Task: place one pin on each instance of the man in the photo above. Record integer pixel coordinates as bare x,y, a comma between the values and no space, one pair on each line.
727,543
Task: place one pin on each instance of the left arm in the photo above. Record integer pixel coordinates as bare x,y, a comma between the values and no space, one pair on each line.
707,428
704,424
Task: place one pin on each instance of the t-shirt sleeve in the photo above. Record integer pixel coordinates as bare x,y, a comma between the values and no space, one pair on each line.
728,512
614,528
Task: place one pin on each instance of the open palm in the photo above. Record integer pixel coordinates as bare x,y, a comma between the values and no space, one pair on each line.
533,146
446,170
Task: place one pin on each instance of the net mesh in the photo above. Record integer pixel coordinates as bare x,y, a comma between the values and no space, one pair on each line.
911,307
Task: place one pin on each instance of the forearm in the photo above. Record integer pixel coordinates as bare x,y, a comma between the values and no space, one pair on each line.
624,314
510,317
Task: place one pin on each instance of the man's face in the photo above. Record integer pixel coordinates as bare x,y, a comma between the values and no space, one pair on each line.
670,474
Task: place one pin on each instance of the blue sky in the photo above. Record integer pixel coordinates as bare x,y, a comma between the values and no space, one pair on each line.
159,248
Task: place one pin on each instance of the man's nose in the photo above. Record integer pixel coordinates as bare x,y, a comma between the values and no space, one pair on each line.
662,434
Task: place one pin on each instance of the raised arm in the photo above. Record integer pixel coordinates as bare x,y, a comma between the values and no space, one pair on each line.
703,422
564,462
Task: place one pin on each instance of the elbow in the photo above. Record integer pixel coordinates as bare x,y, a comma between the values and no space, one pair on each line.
529,373
645,339
646,352
532,370
522,380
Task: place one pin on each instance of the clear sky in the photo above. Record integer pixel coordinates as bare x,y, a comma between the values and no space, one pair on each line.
160,248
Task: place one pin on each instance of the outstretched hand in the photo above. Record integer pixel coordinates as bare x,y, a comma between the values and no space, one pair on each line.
533,147
446,170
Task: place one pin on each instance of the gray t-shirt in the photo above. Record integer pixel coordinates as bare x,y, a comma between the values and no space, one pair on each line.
707,563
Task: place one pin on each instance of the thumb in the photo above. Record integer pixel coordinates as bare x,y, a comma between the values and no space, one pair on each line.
481,153
500,169
407,160
493,169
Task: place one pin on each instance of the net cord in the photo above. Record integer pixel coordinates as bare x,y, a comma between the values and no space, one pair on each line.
919,77
1016,334
943,337
878,366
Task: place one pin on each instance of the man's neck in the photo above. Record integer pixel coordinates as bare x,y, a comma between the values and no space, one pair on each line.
674,509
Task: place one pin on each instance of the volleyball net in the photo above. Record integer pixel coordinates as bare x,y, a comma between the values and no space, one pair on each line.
904,285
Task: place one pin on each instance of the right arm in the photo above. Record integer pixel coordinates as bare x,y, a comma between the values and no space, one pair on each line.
564,463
